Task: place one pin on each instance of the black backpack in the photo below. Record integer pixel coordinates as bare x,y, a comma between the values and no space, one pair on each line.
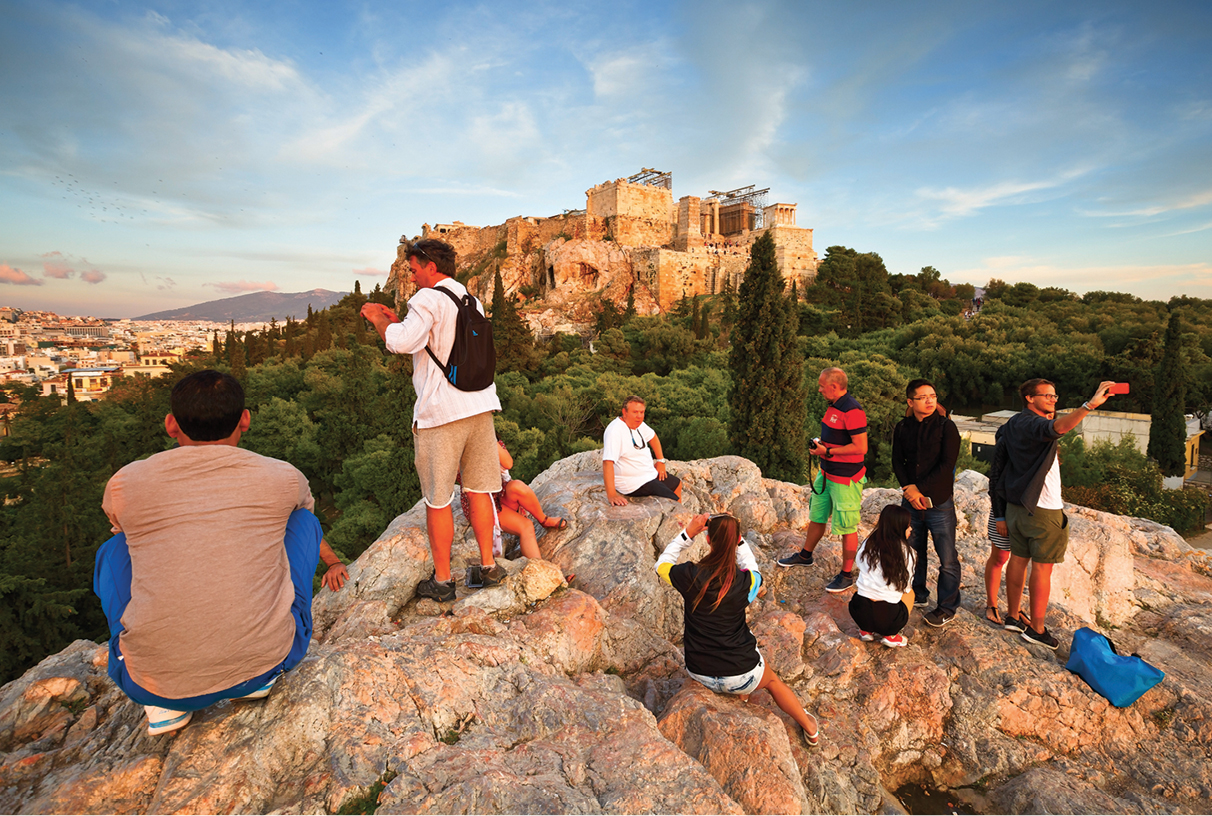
473,358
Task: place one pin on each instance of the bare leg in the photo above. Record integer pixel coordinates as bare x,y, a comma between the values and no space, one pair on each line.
849,551
1041,588
816,531
481,525
1016,578
519,497
678,491
786,699
993,574
439,522
514,522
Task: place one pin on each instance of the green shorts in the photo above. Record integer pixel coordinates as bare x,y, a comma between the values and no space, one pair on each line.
1043,537
841,501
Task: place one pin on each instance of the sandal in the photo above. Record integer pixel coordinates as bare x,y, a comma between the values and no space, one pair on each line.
993,616
813,739
561,524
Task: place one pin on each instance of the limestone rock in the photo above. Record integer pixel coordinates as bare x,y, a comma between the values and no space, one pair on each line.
537,696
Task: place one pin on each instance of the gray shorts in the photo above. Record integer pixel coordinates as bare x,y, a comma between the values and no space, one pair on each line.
738,684
468,445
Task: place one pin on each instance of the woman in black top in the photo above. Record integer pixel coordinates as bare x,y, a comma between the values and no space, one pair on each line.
721,652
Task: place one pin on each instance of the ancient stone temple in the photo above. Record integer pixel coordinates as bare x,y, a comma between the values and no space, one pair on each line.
630,238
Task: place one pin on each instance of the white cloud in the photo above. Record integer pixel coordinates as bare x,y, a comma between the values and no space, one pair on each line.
16,277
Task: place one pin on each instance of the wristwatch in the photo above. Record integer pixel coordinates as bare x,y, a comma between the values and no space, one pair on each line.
662,461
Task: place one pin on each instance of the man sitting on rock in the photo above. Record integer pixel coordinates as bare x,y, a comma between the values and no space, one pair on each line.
207,583
627,464
1026,474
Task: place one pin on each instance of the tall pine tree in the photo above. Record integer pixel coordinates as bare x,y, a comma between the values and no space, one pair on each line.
767,395
1168,428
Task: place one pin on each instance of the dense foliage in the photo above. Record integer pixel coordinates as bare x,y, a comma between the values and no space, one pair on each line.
326,396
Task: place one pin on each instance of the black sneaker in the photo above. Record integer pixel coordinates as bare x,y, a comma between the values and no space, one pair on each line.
938,617
841,582
799,558
440,591
1020,624
921,600
1043,638
493,576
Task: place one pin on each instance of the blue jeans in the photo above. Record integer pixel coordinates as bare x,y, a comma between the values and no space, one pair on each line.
111,582
939,521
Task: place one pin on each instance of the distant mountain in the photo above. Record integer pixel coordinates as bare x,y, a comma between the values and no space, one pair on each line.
253,308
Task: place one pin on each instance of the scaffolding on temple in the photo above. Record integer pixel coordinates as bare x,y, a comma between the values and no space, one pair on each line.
653,178
741,209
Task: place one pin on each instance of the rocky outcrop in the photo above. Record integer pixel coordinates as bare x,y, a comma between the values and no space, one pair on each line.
546,695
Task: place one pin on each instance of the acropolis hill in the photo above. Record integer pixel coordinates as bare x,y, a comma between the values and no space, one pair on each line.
631,234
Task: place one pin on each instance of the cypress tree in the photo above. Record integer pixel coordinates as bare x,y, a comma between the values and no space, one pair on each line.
513,342
1168,426
288,349
235,356
630,312
767,394
323,331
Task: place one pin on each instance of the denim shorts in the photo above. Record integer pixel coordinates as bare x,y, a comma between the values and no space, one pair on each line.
738,684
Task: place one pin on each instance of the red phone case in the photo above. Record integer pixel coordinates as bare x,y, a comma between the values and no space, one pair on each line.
1118,388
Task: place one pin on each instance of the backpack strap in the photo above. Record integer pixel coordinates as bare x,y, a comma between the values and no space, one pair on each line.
458,303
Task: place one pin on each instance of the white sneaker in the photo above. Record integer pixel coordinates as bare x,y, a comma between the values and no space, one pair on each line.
262,692
163,720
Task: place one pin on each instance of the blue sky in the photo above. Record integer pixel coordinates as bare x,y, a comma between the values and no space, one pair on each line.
154,155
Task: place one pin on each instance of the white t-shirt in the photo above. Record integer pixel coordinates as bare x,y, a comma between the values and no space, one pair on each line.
633,466
871,582
1050,496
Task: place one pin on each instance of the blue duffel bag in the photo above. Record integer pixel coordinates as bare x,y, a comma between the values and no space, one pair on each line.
1120,679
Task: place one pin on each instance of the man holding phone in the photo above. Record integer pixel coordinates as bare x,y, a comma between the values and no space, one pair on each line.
925,447
1026,474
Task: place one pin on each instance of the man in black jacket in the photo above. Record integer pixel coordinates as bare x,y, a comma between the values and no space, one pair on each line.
1026,474
925,447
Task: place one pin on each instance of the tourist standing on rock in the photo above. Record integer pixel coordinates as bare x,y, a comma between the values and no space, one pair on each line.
721,652
628,468
883,594
207,583
452,428
1026,474
925,448
838,488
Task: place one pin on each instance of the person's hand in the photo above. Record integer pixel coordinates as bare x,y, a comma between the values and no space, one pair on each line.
918,502
1002,529
335,577
661,472
618,500
378,313
696,525
1100,396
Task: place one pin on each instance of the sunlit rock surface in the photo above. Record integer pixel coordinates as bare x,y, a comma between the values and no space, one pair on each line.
540,696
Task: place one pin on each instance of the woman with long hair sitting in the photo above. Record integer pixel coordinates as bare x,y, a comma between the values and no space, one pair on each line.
721,652
883,593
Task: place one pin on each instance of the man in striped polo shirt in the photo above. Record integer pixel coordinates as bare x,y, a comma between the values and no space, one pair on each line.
838,487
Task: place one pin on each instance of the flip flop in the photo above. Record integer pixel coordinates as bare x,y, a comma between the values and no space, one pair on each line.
993,616
562,524
814,739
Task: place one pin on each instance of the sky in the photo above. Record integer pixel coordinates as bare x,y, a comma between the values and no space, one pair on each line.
157,155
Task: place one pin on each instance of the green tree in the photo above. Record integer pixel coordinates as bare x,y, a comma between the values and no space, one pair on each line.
513,342
1168,426
767,396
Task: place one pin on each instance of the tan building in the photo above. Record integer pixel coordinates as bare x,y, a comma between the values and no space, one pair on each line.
665,249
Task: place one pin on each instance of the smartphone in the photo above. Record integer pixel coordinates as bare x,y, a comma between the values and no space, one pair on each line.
929,503
1118,388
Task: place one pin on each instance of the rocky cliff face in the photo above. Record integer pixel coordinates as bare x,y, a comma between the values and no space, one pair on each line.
542,697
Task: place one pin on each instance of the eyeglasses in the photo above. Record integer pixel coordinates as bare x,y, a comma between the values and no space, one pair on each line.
925,398
637,445
416,248
1045,396
715,516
